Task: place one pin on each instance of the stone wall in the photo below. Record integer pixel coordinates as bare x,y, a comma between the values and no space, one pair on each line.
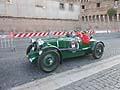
95,15
49,9
38,15
8,24
111,26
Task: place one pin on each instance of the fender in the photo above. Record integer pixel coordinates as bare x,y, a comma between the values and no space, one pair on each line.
92,48
102,43
51,47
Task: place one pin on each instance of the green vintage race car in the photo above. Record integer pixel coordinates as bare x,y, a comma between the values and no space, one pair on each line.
49,53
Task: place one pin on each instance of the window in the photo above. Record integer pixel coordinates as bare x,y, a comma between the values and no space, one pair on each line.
89,18
102,18
97,17
83,6
115,17
81,1
86,18
93,18
98,4
40,4
110,18
62,6
116,3
83,18
119,17
8,1
106,18
71,7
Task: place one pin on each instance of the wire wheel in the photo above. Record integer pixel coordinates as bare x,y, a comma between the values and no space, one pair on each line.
98,51
49,61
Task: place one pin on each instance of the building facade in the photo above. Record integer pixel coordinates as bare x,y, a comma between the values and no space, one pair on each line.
94,14
39,15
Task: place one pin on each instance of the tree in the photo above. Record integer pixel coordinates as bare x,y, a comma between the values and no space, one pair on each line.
111,12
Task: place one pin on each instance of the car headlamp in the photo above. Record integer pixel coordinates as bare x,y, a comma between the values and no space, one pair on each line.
31,59
40,42
40,52
33,48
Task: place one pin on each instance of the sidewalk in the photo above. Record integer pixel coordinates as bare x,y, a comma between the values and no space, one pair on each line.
105,80
102,75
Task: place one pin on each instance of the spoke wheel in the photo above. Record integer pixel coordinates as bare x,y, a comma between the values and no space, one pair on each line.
98,51
49,61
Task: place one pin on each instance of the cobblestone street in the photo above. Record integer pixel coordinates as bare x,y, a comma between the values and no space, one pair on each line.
106,80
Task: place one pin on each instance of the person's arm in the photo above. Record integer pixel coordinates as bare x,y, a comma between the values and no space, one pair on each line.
79,34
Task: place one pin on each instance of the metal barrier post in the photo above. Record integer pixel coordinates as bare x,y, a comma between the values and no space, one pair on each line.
6,42
1,42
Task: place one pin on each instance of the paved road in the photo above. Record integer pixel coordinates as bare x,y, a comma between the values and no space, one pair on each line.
62,79
15,69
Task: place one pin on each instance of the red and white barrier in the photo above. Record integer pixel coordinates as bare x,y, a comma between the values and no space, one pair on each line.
25,35
91,32
37,34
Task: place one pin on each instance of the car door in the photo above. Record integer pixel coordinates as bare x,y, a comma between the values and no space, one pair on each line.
71,47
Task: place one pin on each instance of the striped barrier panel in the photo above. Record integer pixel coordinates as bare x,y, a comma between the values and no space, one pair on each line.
37,34
42,34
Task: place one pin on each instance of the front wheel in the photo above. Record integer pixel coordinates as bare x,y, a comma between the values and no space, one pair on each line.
49,61
98,51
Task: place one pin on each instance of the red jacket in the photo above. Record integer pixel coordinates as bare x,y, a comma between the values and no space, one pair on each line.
85,38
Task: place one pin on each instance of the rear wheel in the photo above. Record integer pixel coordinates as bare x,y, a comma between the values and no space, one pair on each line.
49,61
98,51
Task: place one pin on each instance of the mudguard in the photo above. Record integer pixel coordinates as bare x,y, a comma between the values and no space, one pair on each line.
93,46
51,47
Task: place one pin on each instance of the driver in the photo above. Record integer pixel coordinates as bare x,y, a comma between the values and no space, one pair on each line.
84,36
